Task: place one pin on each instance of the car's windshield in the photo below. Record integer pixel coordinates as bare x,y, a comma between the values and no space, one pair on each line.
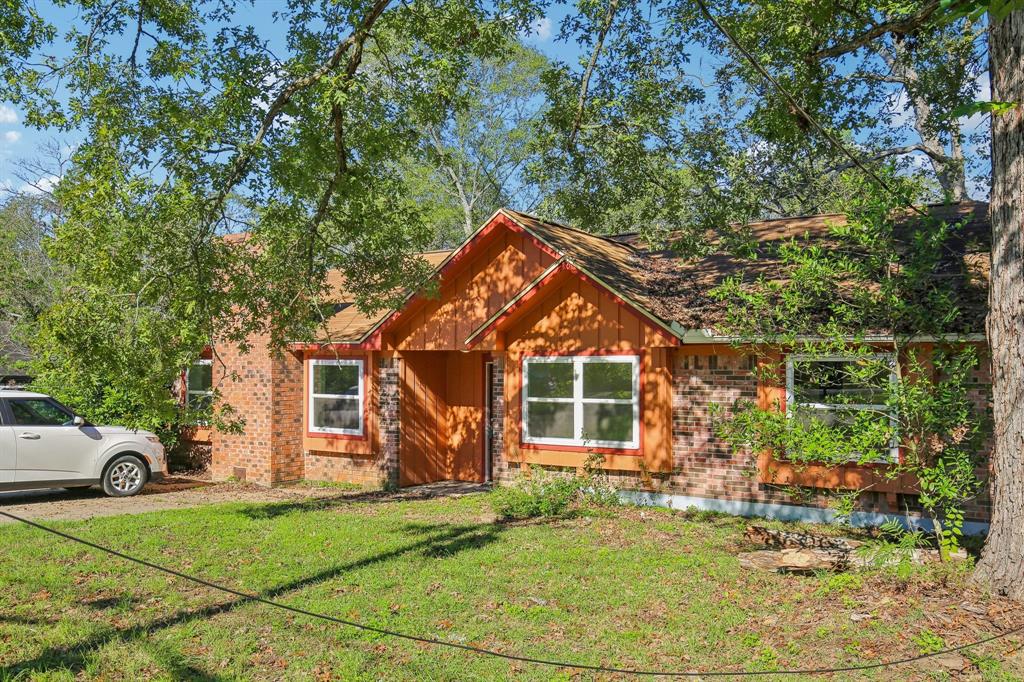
39,412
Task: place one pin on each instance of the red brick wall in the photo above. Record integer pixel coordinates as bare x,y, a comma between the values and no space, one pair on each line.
981,396
344,468
266,392
496,433
286,420
704,465
390,420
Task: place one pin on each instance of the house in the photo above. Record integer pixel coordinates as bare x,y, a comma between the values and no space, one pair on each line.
544,345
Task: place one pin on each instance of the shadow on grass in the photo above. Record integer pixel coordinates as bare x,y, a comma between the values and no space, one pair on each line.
431,491
431,540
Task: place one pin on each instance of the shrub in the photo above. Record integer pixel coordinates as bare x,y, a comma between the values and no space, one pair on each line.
542,494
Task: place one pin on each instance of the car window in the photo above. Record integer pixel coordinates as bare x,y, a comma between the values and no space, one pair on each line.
38,412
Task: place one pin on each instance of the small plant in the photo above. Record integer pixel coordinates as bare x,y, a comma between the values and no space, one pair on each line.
839,582
543,494
598,489
894,547
537,495
928,642
844,504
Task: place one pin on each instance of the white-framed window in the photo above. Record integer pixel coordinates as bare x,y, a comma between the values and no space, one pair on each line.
833,389
199,385
587,400
336,393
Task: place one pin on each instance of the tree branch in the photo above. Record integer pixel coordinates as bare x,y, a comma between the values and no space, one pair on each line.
354,40
896,151
138,35
899,26
613,6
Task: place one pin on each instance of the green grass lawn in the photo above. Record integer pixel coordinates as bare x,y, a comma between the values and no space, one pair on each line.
628,588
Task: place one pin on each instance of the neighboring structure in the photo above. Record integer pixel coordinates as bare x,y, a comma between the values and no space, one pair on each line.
545,346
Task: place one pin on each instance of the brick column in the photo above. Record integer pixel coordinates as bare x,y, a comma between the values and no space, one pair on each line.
499,467
704,465
286,421
390,419
265,392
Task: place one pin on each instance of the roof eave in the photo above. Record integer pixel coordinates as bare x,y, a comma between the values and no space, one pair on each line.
699,336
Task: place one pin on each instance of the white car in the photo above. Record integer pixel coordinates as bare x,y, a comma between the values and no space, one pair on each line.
43,444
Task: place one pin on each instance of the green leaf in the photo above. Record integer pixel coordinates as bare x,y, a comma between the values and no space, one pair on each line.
994,108
951,10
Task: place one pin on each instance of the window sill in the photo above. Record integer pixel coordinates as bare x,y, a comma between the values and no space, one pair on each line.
199,433
605,450
575,459
330,435
841,477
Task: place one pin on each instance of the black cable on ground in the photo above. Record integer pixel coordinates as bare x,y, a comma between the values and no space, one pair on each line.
491,652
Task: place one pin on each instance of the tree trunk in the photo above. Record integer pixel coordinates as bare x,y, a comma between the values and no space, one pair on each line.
1002,563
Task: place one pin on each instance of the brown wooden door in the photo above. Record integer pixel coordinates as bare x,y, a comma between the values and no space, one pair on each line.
422,455
466,416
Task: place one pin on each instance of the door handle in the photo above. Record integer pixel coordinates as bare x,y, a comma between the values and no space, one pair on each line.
29,436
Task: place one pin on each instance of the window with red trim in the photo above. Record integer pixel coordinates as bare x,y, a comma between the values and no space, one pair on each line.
583,401
336,394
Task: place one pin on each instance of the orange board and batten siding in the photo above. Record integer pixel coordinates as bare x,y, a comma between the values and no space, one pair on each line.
576,317
465,397
423,448
471,291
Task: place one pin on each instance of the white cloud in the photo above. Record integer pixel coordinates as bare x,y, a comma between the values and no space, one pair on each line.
541,29
12,136
7,114
45,184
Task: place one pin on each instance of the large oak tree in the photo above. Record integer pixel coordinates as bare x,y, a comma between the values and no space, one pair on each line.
1002,563
195,125
839,68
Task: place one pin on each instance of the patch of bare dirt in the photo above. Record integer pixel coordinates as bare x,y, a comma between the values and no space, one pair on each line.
174,492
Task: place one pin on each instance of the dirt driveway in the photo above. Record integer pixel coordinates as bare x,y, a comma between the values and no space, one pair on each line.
182,493
172,493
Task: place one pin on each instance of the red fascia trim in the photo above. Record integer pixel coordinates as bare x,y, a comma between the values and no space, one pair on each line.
625,452
306,401
343,346
499,220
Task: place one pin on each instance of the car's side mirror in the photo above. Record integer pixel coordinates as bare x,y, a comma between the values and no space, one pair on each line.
78,421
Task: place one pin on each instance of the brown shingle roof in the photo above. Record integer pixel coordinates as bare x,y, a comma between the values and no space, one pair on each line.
674,292
349,324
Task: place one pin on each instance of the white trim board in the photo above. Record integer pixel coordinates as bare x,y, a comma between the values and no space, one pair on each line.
782,512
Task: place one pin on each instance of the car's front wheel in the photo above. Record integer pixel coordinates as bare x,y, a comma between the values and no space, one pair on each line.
125,476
